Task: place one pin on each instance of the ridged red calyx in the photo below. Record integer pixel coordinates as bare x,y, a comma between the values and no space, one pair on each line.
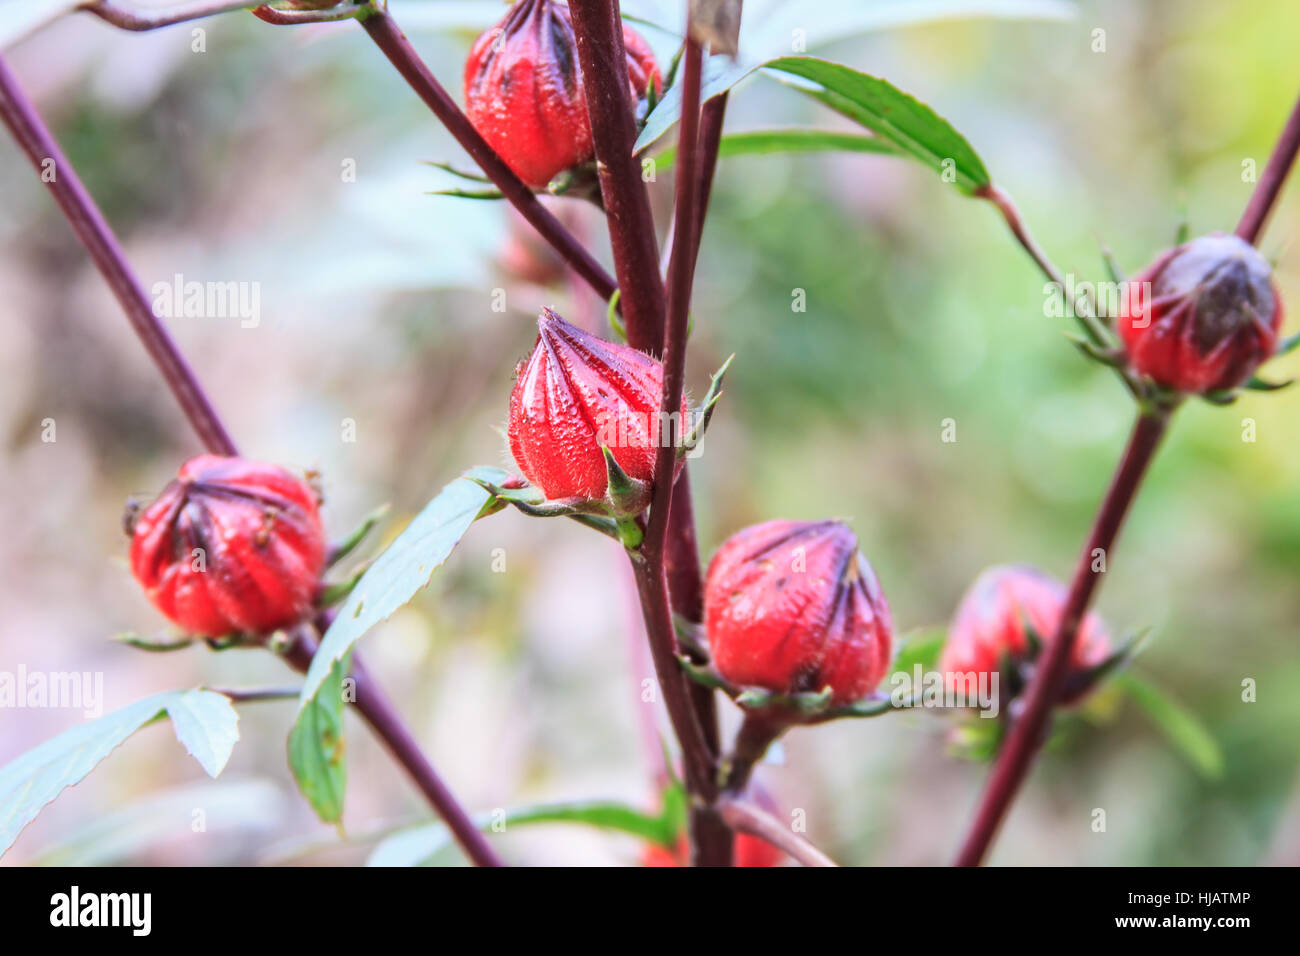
991,624
230,546
792,607
1203,316
576,393
524,94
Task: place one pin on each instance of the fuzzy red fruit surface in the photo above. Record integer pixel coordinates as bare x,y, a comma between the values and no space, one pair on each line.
230,546
575,393
991,618
1203,316
792,607
524,94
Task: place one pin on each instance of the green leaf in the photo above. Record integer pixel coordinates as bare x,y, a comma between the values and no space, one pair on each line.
204,721
896,117
765,141
1179,726
922,647
317,751
417,845
401,571
768,27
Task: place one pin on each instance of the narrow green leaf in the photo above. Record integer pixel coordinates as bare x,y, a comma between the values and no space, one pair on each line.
417,845
1179,726
205,722
765,141
317,751
897,117
402,570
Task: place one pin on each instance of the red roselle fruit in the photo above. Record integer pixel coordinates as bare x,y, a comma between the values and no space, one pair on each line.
576,393
1203,316
990,624
792,607
230,546
524,95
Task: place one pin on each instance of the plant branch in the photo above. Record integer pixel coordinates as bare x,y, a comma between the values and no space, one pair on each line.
744,817
603,61
38,143
373,704
1266,191
1029,731
125,18
390,39
35,139
1081,304
289,18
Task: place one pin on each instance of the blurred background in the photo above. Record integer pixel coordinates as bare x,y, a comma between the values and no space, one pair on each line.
376,309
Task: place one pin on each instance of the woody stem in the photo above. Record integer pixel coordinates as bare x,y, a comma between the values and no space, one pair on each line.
1030,728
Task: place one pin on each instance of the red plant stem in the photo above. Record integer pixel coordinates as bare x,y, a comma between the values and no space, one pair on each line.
379,713
390,39
713,844
1266,191
1030,729
713,114
153,18
745,817
603,59
36,140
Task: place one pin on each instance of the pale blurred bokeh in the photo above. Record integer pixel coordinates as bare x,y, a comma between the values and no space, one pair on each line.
376,307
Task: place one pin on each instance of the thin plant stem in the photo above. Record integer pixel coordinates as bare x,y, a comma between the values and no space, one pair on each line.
373,705
1264,198
393,43
745,817
1029,730
152,18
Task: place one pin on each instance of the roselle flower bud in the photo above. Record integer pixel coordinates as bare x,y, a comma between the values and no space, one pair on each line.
230,546
792,607
576,393
524,95
992,624
1203,316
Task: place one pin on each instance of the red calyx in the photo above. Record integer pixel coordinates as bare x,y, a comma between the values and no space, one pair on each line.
524,95
230,546
990,623
1203,316
793,607
575,393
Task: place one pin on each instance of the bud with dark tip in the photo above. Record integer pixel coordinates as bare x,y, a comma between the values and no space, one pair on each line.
1001,619
524,94
230,546
577,397
1203,316
793,608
